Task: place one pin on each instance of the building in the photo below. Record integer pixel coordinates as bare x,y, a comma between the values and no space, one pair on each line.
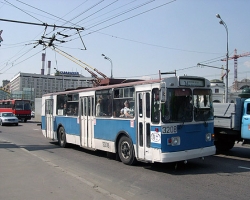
5,90
31,86
4,94
218,90
6,83
240,85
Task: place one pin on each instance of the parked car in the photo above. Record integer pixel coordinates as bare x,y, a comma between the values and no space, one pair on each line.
32,114
8,118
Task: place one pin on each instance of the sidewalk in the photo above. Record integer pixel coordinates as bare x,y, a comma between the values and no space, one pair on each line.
25,176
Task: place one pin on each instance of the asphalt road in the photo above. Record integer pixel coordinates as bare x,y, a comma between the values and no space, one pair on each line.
33,167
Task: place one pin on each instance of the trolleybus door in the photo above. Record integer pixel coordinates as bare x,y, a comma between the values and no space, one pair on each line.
49,118
143,126
87,121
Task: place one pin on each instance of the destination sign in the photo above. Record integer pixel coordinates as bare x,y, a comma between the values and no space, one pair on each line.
192,82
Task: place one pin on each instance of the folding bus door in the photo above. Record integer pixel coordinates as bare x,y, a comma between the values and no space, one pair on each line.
49,118
143,126
87,121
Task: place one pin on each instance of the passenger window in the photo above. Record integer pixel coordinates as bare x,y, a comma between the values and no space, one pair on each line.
103,103
124,102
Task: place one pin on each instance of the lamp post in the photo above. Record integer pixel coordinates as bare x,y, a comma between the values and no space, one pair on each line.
226,85
107,58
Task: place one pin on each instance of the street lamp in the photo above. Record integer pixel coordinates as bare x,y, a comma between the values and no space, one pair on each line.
107,58
226,85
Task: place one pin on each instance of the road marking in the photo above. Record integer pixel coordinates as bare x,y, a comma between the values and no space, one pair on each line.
89,183
244,167
232,157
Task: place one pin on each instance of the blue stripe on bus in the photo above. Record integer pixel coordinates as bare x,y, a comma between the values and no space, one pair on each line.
192,136
69,123
107,129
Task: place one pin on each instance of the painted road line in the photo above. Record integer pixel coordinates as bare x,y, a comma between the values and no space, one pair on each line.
244,167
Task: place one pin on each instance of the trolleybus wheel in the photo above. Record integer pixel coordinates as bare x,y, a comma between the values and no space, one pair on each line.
126,151
62,137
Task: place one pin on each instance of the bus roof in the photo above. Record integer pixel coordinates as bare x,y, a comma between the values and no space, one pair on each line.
132,83
14,100
116,83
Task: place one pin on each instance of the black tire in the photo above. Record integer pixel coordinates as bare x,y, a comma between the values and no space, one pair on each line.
16,124
25,120
126,151
62,137
225,145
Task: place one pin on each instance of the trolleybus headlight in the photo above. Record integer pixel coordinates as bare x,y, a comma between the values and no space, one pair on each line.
174,141
208,137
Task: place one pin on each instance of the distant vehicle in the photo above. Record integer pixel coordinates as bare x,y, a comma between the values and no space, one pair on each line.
32,114
231,122
8,118
19,107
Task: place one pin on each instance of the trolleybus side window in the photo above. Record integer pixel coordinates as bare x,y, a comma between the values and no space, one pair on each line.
61,104
124,102
67,104
103,103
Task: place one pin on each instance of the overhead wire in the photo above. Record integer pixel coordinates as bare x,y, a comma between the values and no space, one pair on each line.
133,16
120,14
112,17
87,10
46,12
97,11
121,20
23,11
9,60
156,45
132,40
110,11
20,61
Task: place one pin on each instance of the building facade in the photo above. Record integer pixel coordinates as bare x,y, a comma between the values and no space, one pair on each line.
31,86
218,90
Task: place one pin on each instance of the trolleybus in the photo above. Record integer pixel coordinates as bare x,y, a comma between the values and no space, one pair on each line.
162,120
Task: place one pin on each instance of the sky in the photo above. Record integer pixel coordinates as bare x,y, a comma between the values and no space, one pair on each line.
140,37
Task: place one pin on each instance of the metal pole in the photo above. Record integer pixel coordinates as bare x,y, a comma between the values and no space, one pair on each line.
226,99
111,66
107,58
226,84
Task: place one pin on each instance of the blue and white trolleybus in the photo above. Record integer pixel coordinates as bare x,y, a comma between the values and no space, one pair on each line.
163,120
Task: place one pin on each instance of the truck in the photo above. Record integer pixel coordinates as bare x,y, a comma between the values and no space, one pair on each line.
232,122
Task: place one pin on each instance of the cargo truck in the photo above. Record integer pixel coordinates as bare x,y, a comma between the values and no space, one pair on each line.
232,122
